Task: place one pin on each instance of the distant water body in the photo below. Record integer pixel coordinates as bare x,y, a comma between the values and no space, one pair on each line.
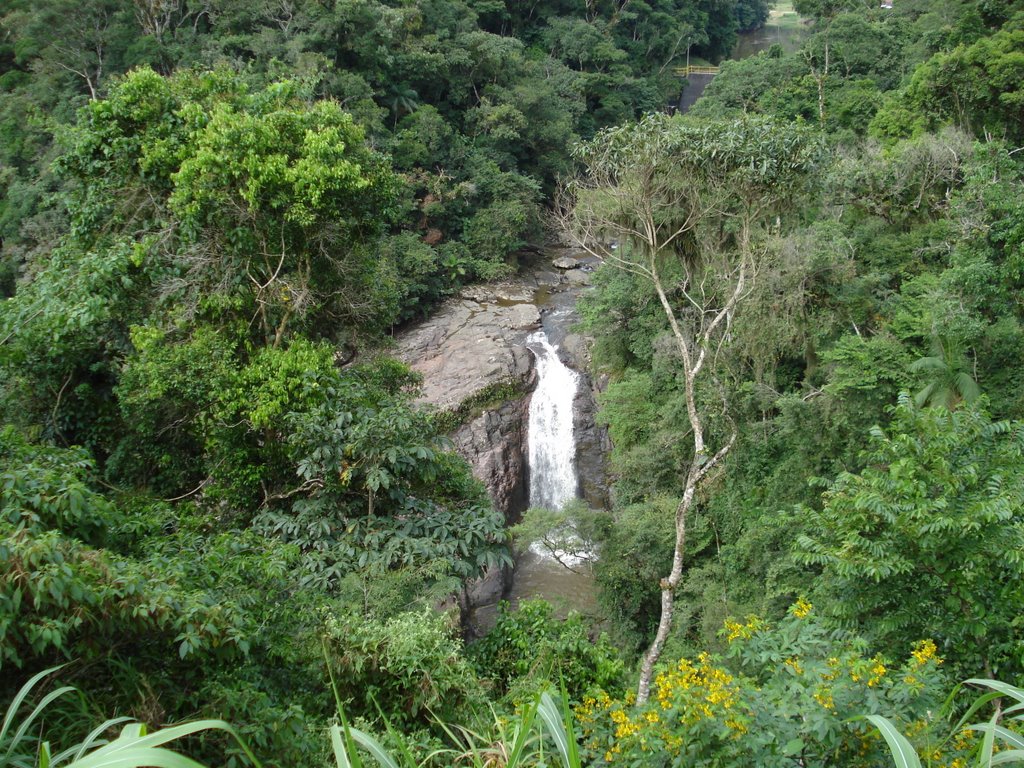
784,28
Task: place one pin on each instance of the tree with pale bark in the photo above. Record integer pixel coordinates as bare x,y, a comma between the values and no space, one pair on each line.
691,207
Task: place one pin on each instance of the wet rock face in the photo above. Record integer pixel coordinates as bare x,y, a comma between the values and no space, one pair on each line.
494,443
592,443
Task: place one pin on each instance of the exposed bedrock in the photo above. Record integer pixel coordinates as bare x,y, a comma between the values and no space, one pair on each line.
474,363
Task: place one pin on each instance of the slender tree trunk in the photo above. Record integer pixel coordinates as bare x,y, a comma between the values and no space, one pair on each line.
668,589
693,475
693,351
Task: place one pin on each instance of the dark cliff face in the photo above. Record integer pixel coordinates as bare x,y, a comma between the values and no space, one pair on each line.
495,445
592,446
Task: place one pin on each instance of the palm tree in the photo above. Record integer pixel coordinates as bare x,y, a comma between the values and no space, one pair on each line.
948,381
401,99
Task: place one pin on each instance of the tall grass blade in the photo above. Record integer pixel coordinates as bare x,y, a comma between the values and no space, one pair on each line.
19,735
573,757
374,747
92,740
557,718
903,754
552,718
1009,756
522,734
1003,688
15,705
988,743
136,757
134,744
976,705
351,753
340,753
471,739
330,673
1011,738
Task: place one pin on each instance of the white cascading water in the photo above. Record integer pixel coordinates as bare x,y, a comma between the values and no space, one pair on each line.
552,447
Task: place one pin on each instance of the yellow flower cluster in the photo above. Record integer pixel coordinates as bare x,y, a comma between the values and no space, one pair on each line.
824,697
734,630
699,690
801,609
624,726
794,664
925,651
878,671
690,694
592,706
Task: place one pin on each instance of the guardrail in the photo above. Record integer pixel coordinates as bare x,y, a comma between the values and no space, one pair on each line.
687,71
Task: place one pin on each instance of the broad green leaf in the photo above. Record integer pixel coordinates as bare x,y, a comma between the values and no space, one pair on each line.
903,754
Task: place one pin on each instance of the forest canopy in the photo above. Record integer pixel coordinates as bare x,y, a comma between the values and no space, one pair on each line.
219,496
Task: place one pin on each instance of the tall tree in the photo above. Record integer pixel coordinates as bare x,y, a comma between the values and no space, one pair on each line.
689,207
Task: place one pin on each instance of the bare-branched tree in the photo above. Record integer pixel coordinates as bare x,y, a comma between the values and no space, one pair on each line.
688,207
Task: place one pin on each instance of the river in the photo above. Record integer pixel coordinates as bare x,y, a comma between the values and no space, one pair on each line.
784,27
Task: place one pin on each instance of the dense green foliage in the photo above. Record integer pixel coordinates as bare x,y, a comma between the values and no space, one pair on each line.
895,271
477,101
528,648
900,544
217,492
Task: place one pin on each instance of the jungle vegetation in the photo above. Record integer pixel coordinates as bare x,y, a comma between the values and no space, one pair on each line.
218,499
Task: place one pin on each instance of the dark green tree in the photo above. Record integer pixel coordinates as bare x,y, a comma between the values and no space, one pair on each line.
928,540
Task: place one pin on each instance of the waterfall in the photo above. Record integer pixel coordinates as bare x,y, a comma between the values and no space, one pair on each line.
552,451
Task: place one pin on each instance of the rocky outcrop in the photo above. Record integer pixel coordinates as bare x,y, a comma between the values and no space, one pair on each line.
469,344
472,358
494,443
475,364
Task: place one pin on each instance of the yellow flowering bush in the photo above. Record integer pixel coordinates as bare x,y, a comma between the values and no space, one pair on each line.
801,609
696,711
783,695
